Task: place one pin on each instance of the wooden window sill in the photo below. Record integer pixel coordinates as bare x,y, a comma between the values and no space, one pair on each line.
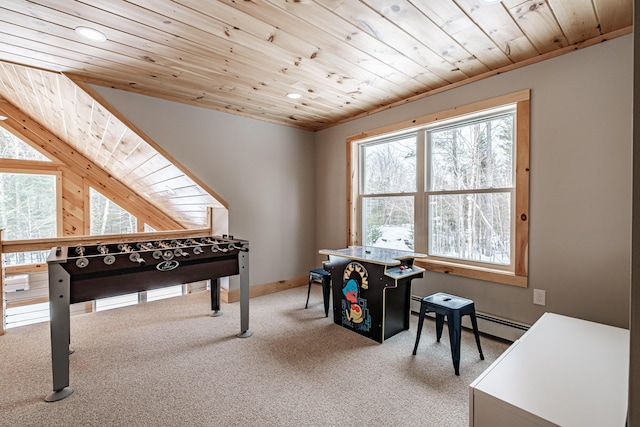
480,273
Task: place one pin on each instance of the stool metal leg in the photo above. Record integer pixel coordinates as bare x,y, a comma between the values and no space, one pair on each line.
453,319
419,331
326,292
474,323
309,290
439,325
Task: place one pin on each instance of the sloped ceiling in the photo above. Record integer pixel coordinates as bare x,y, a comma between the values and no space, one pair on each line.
347,58
110,141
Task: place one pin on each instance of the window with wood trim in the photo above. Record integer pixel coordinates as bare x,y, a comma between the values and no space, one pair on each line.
29,193
27,211
30,204
452,185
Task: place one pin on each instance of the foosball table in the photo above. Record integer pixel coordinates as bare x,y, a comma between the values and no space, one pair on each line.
87,272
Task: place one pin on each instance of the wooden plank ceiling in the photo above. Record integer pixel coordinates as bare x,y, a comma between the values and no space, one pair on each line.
347,58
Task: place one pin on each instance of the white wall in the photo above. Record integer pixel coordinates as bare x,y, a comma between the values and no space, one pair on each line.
264,171
580,205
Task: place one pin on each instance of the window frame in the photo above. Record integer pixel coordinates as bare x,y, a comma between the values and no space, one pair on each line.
517,275
509,109
35,167
363,195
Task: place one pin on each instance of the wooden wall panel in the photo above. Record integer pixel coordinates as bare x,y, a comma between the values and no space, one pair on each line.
72,203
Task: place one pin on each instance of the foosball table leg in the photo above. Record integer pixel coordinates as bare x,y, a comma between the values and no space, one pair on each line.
243,261
60,323
215,298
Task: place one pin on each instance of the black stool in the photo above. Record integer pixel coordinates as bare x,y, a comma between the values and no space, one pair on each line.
454,308
320,275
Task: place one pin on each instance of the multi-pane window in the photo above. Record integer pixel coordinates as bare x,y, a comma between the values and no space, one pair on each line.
446,189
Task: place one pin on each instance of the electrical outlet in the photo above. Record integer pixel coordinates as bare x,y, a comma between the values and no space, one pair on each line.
539,297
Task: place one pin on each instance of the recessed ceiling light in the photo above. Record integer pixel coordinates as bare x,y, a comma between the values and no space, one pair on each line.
3,117
294,96
91,34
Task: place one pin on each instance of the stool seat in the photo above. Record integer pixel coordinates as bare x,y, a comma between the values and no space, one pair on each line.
453,307
323,276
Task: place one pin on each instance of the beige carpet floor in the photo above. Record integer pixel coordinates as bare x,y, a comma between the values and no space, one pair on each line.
167,363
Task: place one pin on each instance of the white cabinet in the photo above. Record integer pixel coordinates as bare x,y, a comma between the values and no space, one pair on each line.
563,371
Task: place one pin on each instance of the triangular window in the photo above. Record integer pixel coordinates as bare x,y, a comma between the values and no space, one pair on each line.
12,147
109,218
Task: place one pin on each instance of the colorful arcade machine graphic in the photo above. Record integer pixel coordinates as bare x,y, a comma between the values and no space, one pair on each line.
355,314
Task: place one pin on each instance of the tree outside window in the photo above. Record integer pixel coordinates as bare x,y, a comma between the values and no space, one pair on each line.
109,218
471,189
27,211
388,199
27,200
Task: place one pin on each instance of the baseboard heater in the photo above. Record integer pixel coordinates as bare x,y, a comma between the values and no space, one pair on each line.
487,323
